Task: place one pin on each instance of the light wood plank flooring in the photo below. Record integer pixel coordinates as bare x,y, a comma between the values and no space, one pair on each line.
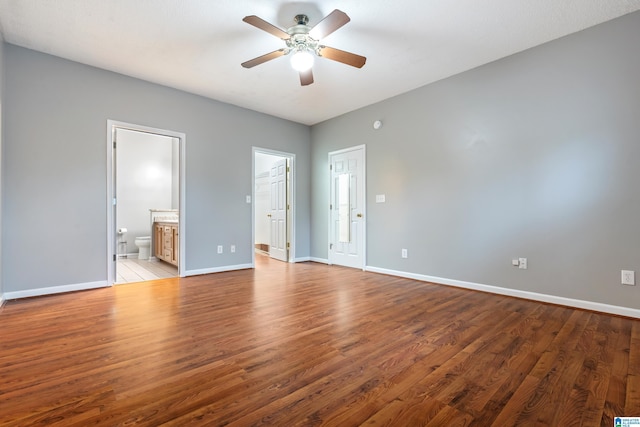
130,270
307,345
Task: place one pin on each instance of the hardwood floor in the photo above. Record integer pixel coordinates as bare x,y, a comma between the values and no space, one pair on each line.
309,344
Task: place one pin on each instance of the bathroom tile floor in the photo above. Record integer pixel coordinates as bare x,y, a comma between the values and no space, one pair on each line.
136,270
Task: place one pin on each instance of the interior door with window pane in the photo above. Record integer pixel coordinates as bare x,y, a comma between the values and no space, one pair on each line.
347,208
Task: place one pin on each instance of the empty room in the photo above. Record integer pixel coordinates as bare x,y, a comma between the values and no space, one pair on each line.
418,213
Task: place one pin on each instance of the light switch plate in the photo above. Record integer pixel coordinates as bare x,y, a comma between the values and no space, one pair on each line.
381,198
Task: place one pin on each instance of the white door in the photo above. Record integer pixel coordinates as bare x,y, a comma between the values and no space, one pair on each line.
347,207
278,210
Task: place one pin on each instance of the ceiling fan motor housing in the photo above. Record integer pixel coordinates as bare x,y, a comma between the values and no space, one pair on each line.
300,39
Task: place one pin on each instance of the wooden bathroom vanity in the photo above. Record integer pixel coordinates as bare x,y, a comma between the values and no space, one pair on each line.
167,244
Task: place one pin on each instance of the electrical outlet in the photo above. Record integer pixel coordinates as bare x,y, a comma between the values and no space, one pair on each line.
522,263
233,249
628,277
219,249
405,253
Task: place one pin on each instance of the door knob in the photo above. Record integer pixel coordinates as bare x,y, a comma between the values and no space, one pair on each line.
359,215
269,215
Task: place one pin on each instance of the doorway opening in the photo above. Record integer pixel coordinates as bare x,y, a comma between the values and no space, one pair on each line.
273,231
146,202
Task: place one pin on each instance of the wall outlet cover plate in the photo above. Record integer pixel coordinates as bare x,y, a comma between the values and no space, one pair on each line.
628,277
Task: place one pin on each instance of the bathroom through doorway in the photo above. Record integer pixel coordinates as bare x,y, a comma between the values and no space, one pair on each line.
146,206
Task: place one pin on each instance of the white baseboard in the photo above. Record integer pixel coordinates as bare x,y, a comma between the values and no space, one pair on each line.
217,269
302,259
587,305
55,290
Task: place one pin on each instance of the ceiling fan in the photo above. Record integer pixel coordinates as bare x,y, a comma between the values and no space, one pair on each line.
303,43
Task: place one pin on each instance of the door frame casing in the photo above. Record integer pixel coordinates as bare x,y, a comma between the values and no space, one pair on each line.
362,147
291,199
112,126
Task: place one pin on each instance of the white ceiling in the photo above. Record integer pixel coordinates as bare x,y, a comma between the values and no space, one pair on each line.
198,45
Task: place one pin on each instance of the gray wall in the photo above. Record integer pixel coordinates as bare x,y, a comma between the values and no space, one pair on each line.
54,199
1,151
534,156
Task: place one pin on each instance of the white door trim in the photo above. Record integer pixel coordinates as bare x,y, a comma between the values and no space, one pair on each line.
364,201
112,125
291,219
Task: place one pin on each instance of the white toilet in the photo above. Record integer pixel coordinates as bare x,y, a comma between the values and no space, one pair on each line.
144,246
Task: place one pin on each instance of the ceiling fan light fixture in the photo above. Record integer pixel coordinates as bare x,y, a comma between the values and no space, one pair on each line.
303,43
302,60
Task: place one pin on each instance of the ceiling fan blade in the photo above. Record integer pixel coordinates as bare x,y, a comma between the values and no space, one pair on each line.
329,24
306,77
265,26
342,56
264,58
